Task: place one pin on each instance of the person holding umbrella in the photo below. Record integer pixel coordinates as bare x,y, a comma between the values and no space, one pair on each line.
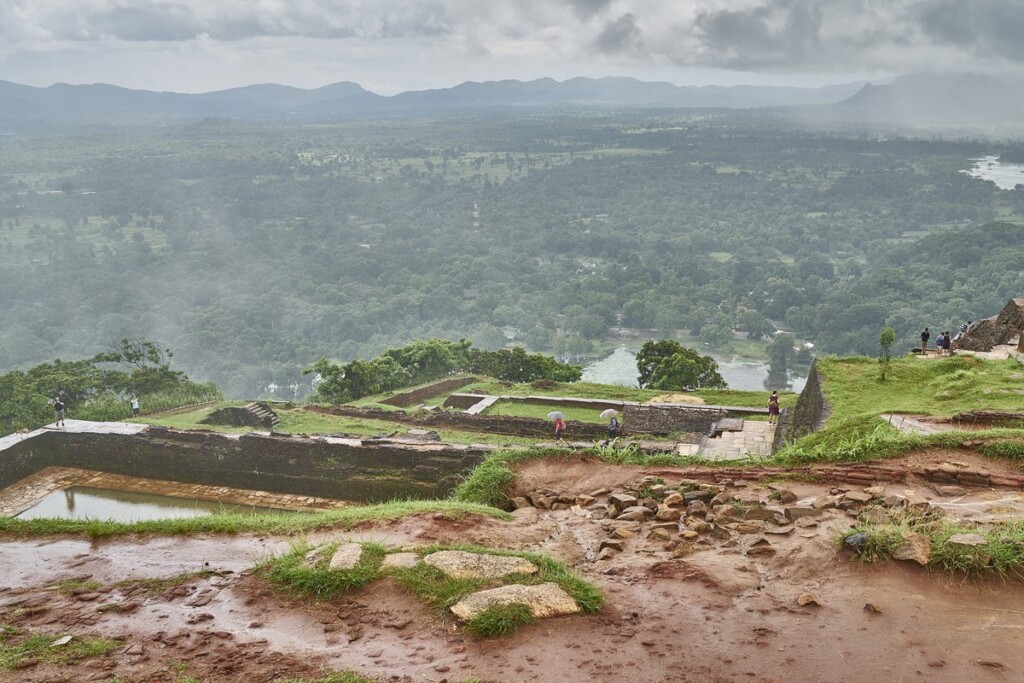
559,424
613,425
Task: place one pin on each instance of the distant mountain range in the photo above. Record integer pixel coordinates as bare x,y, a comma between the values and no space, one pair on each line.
928,99
26,108
910,100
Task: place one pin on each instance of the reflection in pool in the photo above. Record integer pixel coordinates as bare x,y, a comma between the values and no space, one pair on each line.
83,502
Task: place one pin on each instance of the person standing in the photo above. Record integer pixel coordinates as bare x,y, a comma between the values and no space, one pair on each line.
925,336
613,429
58,410
559,428
136,407
773,408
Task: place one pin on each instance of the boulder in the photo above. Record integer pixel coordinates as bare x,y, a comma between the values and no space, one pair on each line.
634,513
459,564
951,491
544,600
857,496
673,499
584,500
786,496
614,544
759,514
691,496
607,553
659,535
667,514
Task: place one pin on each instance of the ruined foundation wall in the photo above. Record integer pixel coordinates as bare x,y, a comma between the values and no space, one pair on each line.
313,467
417,396
810,411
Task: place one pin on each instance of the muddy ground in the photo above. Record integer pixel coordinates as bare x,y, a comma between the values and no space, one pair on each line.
715,615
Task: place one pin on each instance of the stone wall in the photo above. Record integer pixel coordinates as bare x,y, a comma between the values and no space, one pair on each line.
641,419
810,411
510,425
233,416
990,332
417,396
323,467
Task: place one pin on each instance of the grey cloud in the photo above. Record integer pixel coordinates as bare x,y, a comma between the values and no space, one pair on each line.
585,9
621,35
781,32
176,20
985,27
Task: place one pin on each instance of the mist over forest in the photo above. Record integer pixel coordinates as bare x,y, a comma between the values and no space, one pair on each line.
255,246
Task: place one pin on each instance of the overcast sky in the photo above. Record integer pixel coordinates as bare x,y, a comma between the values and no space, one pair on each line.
393,45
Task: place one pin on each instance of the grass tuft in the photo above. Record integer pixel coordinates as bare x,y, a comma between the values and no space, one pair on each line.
305,571
16,646
500,620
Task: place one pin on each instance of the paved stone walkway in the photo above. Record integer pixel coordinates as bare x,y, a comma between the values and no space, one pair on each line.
23,494
909,424
754,440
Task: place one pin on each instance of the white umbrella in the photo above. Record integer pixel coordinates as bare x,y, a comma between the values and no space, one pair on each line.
554,415
611,412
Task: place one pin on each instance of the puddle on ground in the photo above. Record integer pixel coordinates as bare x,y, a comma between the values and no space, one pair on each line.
83,502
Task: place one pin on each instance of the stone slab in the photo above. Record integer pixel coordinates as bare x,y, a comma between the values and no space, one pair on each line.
544,600
400,561
346,556
459,564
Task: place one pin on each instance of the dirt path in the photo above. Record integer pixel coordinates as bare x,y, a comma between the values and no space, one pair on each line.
716,615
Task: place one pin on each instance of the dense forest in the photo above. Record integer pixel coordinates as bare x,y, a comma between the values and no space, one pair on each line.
256,250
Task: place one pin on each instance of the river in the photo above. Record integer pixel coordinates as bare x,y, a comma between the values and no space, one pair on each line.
620,368
1005,176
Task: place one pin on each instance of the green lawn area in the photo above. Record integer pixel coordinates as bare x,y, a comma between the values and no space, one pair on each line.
937,387
573,389
530,410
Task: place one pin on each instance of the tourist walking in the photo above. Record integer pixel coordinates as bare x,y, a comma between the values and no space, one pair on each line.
925,336
559,428
136,407
613,429
58,410
773,407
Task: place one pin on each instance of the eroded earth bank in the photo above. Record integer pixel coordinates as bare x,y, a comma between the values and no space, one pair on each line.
764,591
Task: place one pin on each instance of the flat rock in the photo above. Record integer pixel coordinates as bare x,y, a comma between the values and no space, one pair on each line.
857,496
795,513
346,556
915,548
459,564
967,539
951,491
400,561
544,600
621,501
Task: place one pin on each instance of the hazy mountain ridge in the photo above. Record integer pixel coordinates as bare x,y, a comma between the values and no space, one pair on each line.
25,107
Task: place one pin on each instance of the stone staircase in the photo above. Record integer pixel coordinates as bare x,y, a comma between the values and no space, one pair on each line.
263,414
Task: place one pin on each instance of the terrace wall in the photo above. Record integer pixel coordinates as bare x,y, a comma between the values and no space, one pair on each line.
417,396
344,469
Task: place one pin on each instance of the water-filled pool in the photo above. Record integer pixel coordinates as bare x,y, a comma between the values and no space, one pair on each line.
83,502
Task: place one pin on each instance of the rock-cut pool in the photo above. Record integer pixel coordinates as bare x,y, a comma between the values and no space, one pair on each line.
83,502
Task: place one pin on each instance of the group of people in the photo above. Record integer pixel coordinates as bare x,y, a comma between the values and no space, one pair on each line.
942,342
613,428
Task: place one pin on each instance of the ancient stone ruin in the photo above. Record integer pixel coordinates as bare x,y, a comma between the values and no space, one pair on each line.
1005,328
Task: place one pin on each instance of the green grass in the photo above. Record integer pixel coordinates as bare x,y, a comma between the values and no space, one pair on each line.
1002,556
276,523
611,392
500,620
519,409
743,399
441,592
937,387
16,646
156,586
337,677
309,575
68,585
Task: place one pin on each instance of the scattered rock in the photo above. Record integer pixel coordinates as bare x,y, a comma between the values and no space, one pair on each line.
992,664
26,663
614,543
584,500
759,514
915,548
967,539
691,496
857,496
459,564
796,512
520,502
786,497
872,609
951,491
623,532
856,541
659,535
779,530
346,556
621,501
544,600
805,599
400,561
673,498
607,553
668,514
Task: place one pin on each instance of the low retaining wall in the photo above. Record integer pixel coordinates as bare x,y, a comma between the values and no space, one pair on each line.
417,396
668,419
345,469
510,425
